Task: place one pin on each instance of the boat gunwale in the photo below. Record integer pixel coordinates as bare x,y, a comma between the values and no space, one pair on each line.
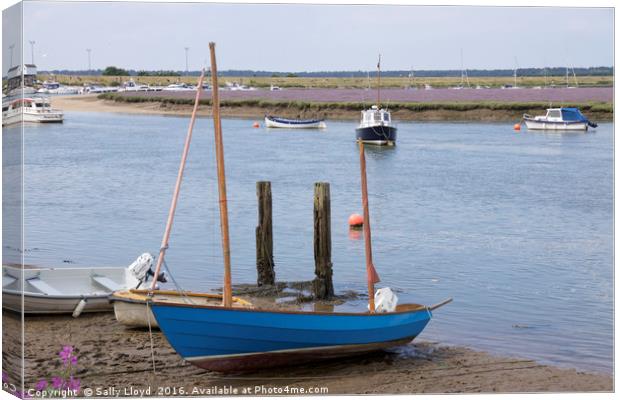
409,309
56,296
133,293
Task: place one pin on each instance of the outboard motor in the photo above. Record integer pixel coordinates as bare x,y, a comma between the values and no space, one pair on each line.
592,124
139,271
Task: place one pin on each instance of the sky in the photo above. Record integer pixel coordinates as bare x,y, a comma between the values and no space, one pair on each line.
301,37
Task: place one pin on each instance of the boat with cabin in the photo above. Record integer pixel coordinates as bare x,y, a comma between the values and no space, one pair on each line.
229,338
376,126
277,122
559,119
22,103
29,109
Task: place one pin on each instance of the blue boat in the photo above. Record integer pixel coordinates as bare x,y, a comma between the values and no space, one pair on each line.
237,339
229,338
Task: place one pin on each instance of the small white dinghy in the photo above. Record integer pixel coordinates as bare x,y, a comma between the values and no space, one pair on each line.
69,290
276,122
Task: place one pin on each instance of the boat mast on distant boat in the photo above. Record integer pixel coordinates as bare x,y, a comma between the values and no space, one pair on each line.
376,126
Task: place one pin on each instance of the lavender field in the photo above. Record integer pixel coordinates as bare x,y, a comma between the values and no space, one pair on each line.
555,95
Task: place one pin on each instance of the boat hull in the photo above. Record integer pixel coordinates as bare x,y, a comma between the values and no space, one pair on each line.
228,340
379,135
292,124
46,304
9,118
130,306
134,314
555,126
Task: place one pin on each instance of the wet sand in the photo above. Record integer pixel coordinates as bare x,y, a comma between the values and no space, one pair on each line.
90,103
112,356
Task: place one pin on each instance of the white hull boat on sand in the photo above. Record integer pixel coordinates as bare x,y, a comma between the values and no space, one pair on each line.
69,290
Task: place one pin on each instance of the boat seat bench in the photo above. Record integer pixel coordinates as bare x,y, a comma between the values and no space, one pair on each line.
106,283
43,287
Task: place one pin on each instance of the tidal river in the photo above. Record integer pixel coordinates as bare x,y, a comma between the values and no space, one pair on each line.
517,227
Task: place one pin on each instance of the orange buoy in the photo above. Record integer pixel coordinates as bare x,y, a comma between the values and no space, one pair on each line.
356,221
517,127
255,125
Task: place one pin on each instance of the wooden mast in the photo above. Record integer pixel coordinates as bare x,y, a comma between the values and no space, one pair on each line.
177,186
371,273
221,178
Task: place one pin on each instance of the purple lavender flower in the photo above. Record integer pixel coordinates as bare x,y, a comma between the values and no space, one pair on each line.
66,355
5,377
74,360
73,384
22,395
41,385
57,382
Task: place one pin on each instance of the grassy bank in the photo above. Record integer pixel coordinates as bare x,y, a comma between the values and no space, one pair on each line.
484,110
334,83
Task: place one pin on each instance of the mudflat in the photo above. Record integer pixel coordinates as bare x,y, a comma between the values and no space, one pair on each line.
112,357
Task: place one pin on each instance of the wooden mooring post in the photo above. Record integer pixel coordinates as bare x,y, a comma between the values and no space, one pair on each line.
322,284
264,236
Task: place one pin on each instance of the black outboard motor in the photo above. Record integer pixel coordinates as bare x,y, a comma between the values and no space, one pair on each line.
592,124
160,278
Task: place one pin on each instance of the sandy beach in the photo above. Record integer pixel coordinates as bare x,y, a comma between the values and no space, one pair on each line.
114,360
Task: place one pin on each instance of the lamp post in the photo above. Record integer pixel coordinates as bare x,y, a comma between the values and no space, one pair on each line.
186,61
11,62
32,42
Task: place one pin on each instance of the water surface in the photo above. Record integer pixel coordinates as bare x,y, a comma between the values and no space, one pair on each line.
517,227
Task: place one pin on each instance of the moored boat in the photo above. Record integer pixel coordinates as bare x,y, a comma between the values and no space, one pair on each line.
29,109
276,122
559,119
376,125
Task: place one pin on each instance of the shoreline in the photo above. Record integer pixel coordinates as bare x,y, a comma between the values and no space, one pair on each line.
110,355
91,103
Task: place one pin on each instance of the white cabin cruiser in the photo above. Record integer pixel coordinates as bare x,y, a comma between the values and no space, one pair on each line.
559,119
29,109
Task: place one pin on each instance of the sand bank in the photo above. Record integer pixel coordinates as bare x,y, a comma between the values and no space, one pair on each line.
91,103
112,356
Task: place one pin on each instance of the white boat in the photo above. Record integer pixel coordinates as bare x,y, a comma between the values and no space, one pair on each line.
69,290
177,87
275,122
52,87
29,109
234,86
100,89
559,119
131,86
274,88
